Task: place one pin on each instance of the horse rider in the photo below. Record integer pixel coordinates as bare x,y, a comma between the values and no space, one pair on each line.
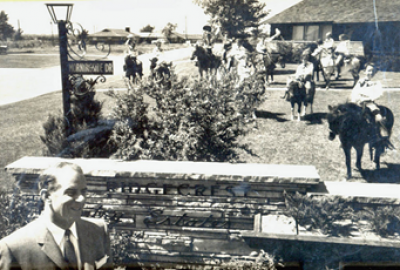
304,73
227,46
208,38
158,58
364,93
262,48
132,64
130,43
342,52
262,45
329,42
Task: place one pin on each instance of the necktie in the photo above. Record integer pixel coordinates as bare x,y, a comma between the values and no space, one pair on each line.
69,251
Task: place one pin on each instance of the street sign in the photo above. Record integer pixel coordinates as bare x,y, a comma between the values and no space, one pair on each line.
91,67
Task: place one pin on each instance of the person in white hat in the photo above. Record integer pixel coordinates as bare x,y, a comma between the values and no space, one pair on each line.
130,43
328,43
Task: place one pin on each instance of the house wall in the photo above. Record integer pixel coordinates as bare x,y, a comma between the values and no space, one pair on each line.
386,41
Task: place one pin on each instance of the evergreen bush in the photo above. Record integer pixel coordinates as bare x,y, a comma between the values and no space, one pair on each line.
193,121
89,135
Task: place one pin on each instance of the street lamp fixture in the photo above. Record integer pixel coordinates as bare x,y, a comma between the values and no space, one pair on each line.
61,14
58,9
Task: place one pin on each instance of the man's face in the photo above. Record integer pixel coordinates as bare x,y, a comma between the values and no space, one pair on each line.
68,199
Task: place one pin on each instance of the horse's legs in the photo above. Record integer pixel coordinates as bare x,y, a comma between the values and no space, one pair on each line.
304,109
298,110
292,111
347,153
359,151
378,152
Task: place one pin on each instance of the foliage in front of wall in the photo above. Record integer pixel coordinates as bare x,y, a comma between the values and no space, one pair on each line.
256,260
16,211
341,217
191,121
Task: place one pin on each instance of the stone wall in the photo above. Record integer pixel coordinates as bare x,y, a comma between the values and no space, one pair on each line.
197,215
179,212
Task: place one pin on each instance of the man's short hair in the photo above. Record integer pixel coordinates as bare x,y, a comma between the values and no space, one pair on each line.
48,178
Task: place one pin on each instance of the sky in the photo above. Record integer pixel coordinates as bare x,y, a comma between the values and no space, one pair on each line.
94,15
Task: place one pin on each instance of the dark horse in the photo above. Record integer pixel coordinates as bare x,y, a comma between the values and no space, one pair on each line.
268,61
356,127
298,94
161,74
206,62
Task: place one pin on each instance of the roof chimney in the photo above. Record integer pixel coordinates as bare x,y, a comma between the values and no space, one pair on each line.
127,29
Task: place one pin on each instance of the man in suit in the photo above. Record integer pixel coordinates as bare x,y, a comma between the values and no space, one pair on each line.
59,238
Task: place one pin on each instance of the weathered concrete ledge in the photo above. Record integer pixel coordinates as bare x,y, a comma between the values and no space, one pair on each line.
243,172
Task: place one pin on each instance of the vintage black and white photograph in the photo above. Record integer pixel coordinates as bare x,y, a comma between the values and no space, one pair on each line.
200,134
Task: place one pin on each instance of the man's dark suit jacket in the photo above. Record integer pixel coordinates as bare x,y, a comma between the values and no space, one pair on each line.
33,247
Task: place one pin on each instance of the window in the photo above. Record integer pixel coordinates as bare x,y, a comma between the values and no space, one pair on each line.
298,32
324,29
310,32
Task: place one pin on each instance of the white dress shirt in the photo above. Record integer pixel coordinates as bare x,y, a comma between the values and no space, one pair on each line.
58,235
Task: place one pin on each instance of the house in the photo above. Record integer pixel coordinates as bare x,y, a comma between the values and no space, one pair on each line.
116,36
375,23
149,37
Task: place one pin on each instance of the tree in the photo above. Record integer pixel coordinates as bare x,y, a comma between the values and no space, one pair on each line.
147,29
18,34
168,30
6,30
234,16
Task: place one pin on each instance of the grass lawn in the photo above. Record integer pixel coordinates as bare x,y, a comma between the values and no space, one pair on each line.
277,140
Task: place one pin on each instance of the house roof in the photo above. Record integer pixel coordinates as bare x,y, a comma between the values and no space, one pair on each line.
122,33
112,33
339,11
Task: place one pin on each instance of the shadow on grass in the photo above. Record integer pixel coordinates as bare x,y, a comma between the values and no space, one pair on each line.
270,115
276,83
391,174
285,72
314,118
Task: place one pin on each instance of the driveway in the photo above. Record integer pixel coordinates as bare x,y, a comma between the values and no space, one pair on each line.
18,84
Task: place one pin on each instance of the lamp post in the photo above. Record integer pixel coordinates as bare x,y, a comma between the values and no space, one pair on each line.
62,20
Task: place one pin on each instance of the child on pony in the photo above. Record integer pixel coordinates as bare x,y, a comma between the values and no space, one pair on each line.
365,93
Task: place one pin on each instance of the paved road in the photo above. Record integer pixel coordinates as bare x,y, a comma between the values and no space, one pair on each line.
18,84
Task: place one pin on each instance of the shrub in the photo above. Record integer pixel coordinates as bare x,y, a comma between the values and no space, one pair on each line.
321,214
192,121
256,260
335,216
89,135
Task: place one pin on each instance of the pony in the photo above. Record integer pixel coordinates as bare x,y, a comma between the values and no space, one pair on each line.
297,94
356,127
330,66
267,61
207,63
133,68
